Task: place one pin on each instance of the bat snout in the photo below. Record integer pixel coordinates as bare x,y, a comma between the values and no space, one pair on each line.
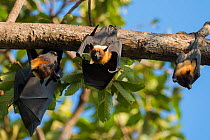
96,55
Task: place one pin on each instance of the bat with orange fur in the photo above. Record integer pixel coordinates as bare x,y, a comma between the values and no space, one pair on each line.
105,52
187,69
30,96
46,65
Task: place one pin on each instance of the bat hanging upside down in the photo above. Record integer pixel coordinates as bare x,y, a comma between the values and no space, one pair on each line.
105,52
187,69
44,66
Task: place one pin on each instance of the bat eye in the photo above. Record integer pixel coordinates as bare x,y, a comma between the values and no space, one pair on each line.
52,52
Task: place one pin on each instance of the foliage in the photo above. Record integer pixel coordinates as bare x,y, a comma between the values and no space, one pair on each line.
138,102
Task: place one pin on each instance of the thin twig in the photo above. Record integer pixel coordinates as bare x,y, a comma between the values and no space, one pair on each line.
64,4
72,9
66,133
15,11
9,56
71,56
40,133
89,13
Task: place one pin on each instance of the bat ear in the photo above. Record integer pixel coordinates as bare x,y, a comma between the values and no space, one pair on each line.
94,31
90,46
106,49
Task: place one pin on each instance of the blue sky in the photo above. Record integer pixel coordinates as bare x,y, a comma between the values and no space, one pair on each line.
175,16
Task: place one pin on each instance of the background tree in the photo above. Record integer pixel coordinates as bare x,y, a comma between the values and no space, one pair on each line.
138,103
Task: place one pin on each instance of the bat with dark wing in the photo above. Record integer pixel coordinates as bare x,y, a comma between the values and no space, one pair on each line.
31,97
187,66
105,53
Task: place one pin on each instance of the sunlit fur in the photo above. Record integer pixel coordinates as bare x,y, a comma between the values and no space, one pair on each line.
40,70
37,61
105,56
185,72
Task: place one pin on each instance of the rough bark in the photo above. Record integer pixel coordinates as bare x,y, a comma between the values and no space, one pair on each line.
136,45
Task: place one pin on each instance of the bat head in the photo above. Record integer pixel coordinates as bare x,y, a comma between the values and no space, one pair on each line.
184,80
99,54
43,71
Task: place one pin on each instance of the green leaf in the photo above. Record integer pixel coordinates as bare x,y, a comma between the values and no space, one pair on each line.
134,119
105,105
3,11
20,54
124,97
133,87
13,67
73,88
68,18
32,4
52,105
77,60
155,21
126,61
60,88
9,76
6,85
6,100
3,110
74,77
131,76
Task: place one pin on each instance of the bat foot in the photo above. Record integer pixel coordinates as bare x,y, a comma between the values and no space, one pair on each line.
116,70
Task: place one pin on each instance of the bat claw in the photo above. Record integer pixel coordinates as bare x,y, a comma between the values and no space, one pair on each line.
116,70
189,86
175,80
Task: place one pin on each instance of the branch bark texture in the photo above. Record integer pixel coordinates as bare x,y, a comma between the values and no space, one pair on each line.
136,45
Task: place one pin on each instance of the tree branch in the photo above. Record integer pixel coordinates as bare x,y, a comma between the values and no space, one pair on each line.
15,11
40,133
9,56
136,45
66,133
90,13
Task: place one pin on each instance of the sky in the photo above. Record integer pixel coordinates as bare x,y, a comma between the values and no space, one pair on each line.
175,16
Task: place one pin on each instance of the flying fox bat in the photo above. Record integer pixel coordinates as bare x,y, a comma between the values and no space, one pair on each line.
46,65
31,97
187,66
105,53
